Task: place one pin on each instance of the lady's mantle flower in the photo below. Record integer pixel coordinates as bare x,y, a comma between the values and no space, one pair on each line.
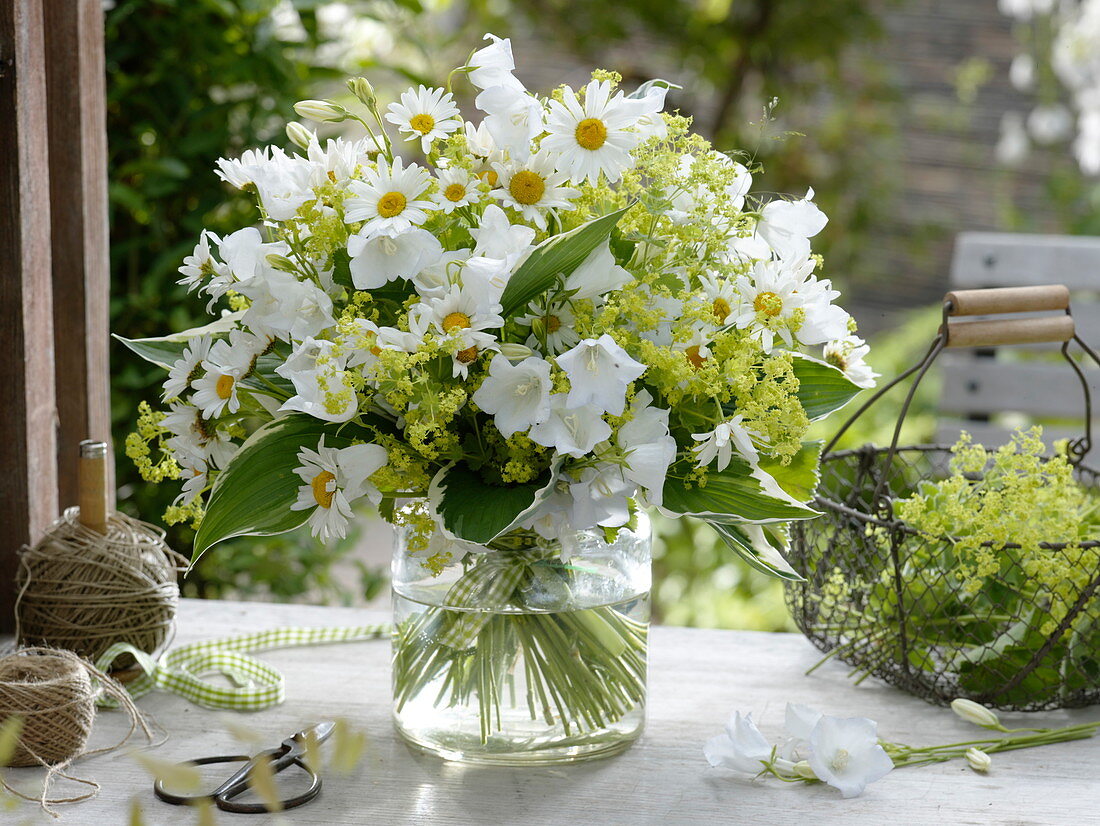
845,753
847,355
518,396
742,748
594,137
533,187
427,114
387,200
599,371
721,442
334,478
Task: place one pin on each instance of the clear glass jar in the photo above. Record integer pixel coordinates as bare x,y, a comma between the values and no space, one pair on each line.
516,657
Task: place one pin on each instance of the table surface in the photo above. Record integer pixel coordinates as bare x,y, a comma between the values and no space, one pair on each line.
697,677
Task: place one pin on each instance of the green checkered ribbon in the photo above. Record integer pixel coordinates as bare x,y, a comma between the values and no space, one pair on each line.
487,587
254,684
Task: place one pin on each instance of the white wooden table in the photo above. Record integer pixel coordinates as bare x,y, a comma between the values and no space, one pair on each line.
697,678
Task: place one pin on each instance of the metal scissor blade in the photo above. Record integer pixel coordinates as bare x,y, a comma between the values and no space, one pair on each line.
320,732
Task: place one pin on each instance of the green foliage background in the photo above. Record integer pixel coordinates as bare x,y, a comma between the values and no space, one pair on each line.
192,80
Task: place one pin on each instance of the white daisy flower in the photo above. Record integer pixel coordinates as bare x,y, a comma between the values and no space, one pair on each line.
201,264
721,295
533,187
427,114
455,190
387,200
768,297
458,311
599,371
518,396
594,137
195,478
194,439
553,325
333,479
470,346
720,443
242,171
483,148
229,361
847,355
182,371
696,349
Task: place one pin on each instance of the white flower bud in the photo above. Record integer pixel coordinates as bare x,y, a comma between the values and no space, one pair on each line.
515,352
323,111
361,88
979,761
975,713
803,769
298,134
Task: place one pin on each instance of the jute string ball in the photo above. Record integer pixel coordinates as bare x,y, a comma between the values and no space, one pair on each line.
83,591
53,694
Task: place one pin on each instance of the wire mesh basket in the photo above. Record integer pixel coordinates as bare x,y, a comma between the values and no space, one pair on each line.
875,594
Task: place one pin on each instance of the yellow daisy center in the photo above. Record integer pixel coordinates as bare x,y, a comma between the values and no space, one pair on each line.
224,387
693,356
527,187
454,193
391,204
490,176
320,488
721,309
455,321
837,360
466,356
768,303
553,324
422,123
591,133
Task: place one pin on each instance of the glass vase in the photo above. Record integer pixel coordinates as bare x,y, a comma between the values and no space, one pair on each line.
514,655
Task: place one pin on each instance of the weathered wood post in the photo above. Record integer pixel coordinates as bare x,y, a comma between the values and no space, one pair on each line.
54,276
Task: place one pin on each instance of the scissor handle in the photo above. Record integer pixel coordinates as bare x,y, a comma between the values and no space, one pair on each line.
237,783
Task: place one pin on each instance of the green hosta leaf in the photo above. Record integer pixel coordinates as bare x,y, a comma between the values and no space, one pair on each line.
760,547
799,478
822,388
474,510
166,350
558,255
253,494
738,494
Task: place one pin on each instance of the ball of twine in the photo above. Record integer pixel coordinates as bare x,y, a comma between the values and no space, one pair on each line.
53,695
83,591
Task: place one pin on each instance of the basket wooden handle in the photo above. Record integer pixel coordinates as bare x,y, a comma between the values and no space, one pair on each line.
1009,331
1008,300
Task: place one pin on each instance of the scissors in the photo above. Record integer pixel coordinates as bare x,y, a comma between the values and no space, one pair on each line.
290,753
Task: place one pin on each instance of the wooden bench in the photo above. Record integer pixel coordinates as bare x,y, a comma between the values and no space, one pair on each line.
988,392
